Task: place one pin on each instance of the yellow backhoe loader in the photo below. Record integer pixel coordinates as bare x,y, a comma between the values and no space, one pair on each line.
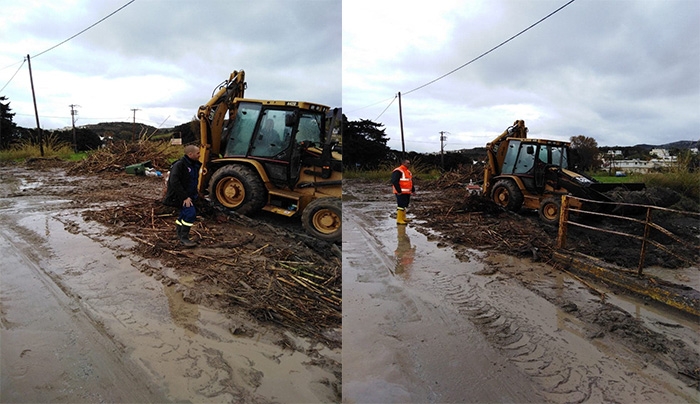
535,173
277,156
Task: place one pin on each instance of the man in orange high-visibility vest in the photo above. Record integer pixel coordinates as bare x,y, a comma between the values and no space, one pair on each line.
402,184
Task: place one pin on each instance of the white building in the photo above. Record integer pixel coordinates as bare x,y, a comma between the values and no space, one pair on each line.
664,160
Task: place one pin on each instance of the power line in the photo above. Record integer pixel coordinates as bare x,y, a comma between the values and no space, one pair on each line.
490,50
61,43
13,76
387,107
475,59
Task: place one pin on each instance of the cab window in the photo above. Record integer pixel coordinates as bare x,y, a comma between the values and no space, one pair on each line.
273,133
526,159
241,132
559,157
310,128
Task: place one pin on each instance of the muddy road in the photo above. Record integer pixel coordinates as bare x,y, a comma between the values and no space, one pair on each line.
92,311
429,320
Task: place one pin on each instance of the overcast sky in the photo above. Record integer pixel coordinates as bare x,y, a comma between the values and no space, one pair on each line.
163,57
621,72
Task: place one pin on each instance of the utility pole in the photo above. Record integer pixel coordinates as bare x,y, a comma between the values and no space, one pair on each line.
36,111
2,116
134,122
403,146
442,148
73,113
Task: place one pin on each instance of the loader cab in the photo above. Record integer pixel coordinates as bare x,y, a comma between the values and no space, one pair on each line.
273,133
535,161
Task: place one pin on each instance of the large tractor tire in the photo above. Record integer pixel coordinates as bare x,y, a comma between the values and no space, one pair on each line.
505,193
238,188
322,218
549,210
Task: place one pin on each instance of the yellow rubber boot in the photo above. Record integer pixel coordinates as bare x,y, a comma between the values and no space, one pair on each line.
401,216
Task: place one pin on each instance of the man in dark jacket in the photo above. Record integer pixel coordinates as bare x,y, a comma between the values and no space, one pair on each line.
182,192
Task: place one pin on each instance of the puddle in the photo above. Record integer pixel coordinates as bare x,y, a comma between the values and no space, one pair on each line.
417,312
140,331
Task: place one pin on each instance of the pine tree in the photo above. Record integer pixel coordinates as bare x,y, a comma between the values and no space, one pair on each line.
7,126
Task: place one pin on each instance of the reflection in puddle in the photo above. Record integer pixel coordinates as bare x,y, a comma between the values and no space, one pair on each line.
404,252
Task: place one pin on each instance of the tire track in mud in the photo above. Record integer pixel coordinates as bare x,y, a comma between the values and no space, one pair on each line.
373,243
410,331
522,344
566,367
563,356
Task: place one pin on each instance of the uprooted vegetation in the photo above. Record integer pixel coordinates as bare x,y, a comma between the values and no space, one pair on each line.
265,266
471,220
119,154
239,263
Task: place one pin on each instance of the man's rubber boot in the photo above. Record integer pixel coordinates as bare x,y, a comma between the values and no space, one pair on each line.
178,229
185,237
401,216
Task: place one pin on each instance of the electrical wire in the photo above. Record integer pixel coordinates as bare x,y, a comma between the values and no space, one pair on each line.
13,76
109,15
62,42
387,107
473,60
490,50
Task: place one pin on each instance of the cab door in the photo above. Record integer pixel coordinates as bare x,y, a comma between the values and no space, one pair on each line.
271,144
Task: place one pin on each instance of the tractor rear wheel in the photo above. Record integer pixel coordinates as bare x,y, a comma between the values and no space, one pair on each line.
505,193
322,218
549,210
238,188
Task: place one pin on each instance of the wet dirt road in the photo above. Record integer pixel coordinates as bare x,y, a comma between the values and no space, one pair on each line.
81,322
420,325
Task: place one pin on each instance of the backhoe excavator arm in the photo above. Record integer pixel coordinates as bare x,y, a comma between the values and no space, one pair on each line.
211,119
495,153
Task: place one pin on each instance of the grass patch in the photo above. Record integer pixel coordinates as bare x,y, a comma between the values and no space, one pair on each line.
383,173
53,148
611,179
679,180
684,182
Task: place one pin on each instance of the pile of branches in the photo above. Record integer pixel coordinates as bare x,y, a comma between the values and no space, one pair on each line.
474,221
119,154
289,285
460,177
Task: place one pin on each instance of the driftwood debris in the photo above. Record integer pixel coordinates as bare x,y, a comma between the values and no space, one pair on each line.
280,282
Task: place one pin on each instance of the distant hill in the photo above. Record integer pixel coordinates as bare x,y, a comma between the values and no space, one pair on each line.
130,131
681,144
124,130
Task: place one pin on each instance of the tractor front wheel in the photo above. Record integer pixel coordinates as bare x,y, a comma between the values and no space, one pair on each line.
506,194
322,218
549,210
238,188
